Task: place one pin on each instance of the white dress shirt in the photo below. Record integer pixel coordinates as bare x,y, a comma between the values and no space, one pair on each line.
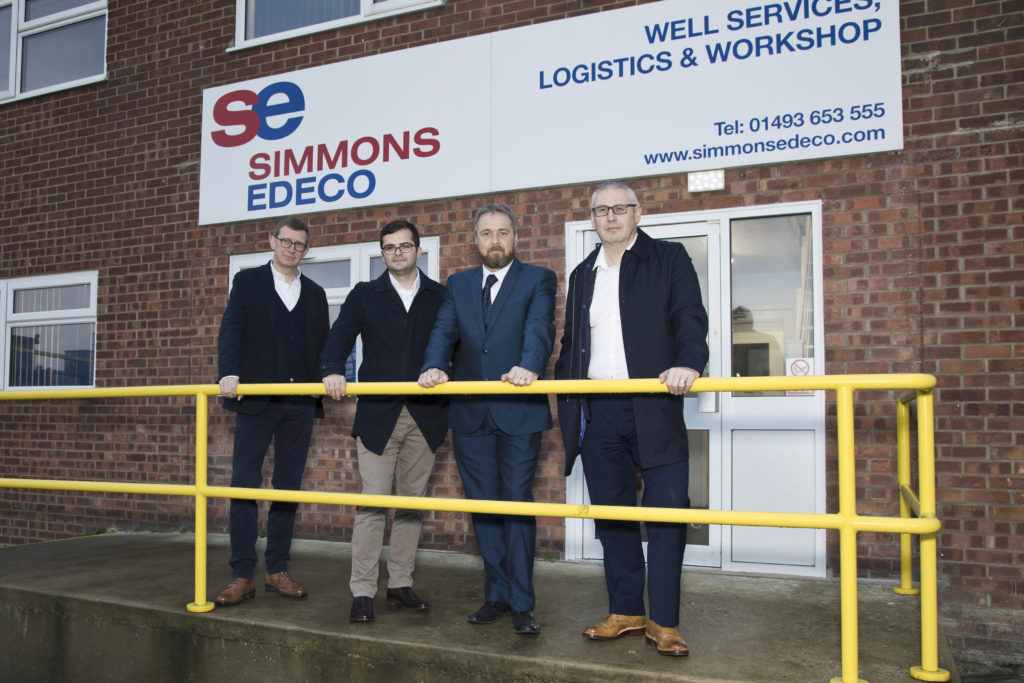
406,295
289,292
607,350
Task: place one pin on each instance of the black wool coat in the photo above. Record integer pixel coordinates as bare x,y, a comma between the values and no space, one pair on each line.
394,342
664,325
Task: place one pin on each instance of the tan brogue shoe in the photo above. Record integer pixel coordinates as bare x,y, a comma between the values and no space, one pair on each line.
616,626
237,591
282,584
666,639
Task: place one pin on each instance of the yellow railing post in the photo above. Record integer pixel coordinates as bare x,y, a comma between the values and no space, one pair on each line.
929,669
906,586
202,412
847,536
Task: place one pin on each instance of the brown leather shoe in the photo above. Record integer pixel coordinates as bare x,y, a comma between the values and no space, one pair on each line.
616,626
282,584
666,639
237,591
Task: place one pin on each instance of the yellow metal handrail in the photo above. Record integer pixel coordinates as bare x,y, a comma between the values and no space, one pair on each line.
847,522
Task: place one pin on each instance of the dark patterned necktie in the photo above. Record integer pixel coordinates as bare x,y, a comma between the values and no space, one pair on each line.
491,279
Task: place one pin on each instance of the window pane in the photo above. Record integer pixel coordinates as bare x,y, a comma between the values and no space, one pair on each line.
52,355
35,9
329,274
772,296
265,17
51,299
700,488
5,49
63,54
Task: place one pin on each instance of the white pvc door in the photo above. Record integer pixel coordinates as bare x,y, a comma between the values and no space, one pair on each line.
703,419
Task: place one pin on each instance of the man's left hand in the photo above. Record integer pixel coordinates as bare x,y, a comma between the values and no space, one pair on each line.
521,377
678,380
335,385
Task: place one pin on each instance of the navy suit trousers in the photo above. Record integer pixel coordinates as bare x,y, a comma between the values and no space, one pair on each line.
499,466
610,463
289,423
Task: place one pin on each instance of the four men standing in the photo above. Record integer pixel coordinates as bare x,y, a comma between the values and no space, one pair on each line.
633,310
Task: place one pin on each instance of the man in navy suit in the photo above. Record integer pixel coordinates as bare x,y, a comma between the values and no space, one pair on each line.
496,323
396,436
633,310
272,331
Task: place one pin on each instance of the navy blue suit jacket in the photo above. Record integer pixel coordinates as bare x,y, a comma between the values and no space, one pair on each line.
394,341
664,325
247,342
520,331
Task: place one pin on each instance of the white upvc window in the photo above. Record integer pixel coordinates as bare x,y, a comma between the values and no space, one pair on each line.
50,45
49,331
338,268
258,22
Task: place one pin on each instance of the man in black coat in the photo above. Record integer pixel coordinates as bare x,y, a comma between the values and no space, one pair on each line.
272,331
396,436
633,310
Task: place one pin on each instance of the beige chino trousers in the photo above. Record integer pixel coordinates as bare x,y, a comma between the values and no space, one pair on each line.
405,467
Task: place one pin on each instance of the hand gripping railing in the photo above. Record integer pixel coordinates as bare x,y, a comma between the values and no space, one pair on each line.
847,522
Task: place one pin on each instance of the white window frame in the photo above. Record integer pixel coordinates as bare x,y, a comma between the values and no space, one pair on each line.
369,10
20,29
12,59
12,321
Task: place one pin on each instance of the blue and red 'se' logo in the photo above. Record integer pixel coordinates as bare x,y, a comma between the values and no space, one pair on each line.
254,117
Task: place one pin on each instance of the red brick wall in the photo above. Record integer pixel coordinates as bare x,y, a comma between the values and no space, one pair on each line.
923,273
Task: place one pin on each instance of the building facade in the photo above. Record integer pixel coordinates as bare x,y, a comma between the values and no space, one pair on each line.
912,262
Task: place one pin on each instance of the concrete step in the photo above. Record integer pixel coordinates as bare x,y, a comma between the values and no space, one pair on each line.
112,608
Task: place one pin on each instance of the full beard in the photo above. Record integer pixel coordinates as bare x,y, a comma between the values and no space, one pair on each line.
496,259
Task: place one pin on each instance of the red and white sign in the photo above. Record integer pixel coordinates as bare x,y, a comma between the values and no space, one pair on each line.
799,367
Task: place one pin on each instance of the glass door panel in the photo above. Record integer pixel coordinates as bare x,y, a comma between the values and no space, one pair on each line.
772,297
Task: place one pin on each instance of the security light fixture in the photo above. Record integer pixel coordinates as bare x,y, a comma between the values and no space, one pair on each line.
705,181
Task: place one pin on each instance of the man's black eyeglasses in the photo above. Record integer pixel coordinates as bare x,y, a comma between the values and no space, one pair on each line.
288,244
404,247
618,209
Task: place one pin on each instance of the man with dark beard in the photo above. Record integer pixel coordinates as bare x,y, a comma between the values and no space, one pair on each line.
497,323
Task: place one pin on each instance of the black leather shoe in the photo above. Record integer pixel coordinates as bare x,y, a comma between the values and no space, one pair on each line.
489,613
406,597
525,623
362,610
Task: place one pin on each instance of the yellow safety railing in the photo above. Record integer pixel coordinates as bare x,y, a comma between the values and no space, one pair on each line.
917,510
